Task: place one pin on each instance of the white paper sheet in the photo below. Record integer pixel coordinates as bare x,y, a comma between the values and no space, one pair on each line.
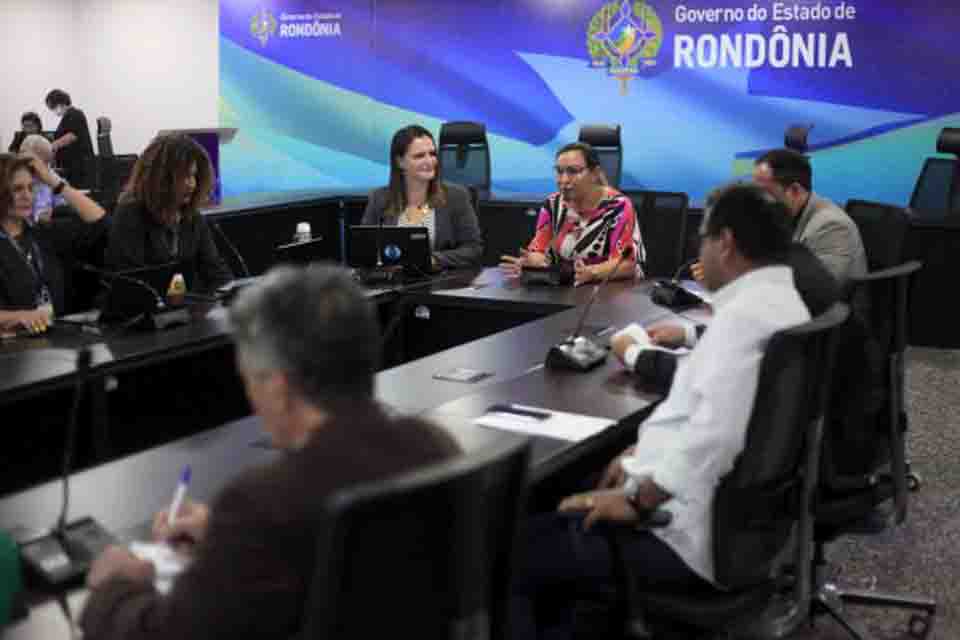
573,427
167,562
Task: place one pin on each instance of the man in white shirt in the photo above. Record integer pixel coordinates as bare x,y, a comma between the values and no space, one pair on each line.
689,442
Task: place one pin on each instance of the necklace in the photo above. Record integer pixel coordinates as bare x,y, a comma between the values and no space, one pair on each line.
417,214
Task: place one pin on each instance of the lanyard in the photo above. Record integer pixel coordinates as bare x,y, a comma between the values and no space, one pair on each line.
34,259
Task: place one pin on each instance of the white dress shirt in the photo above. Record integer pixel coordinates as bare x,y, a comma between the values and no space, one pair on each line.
694,436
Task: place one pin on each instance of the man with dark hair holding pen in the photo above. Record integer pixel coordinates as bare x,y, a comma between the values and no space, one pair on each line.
307,348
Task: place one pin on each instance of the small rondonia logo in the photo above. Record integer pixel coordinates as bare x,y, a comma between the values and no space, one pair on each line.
392,253
263,25
624,37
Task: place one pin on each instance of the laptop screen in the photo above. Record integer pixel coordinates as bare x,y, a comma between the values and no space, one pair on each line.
408,247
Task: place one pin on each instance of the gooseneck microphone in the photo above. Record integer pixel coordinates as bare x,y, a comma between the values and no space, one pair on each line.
672,294
232,248
684,266
65,554
139,304
380,241
576,352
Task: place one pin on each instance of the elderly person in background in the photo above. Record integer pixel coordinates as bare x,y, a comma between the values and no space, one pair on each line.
44,200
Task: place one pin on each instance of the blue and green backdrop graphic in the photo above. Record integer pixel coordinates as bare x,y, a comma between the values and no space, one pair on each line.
317,87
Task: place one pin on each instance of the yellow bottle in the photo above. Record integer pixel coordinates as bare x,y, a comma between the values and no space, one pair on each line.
177,290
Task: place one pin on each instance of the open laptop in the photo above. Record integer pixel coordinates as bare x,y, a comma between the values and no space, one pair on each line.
136,292
301,253
407,247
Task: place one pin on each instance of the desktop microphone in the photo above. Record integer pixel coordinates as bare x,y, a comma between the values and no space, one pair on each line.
672,294
380,273
65,553
577,352
232,247
152,312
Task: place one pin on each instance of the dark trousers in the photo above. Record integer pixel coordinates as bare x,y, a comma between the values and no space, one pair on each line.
559,563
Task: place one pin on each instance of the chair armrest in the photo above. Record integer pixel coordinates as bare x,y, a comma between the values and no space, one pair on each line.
898,271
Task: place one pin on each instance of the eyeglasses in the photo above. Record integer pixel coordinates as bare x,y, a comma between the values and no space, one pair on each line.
572,172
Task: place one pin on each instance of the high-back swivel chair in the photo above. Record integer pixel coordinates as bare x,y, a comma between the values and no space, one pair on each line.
426,554
864,464
936,193
605,139
662,217
465,156
104,140
762,509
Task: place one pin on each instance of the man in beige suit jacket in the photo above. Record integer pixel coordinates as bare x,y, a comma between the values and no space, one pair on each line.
820,225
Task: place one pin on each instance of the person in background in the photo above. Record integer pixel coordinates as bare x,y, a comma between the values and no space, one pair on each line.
819,224
30,124
44,201
418,197
308,345
72,146
32,256
586,222
158,221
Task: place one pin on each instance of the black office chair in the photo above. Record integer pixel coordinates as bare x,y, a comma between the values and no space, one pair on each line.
864,464
605,139
662,217
797,136
762,513
114,174
104,141
425,554
465,156
936,193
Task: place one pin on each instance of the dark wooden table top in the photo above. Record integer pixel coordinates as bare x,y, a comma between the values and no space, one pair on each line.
125,493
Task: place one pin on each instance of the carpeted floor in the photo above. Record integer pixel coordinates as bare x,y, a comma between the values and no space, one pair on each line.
923,555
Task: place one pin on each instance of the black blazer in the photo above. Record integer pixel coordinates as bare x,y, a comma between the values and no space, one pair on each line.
458,241
137,240
60,243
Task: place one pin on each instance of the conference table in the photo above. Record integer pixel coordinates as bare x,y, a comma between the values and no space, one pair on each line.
122,494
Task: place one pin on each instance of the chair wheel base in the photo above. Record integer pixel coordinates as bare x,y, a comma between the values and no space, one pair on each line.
920,626
914,481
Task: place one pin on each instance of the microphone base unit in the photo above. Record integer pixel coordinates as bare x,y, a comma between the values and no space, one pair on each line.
673,295
63,557
576,354
164,318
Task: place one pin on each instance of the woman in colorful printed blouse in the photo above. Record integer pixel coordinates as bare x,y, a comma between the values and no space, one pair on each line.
586,222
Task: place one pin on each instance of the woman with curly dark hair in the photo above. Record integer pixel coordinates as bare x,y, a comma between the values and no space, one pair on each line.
158,220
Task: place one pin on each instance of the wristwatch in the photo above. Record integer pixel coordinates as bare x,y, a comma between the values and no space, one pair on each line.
57,190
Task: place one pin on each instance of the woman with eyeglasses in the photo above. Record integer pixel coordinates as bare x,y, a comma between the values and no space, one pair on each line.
34,258
586,222
417,197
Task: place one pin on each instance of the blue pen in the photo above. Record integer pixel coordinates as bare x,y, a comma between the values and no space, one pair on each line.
179,495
